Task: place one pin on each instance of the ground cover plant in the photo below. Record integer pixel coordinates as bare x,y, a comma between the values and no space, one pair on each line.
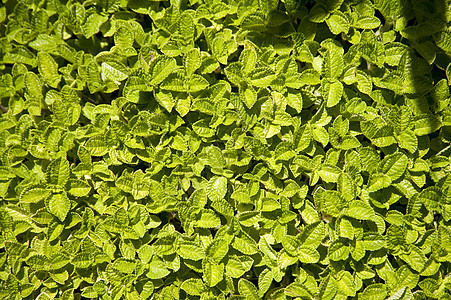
234,149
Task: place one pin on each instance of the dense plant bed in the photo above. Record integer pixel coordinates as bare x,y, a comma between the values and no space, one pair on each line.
235,149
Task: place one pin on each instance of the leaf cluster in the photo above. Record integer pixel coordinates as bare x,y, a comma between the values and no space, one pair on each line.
234,149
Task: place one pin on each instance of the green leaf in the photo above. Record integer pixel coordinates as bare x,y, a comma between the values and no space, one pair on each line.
190,250
48,69
114,71
302,137
313,234
82,260
329,202
376,291
193,286
78,188
248,95
217,250
216,188
92,24
236,266
383,137
345,283
394,52
234,73
338,251
331,92
394,165
431,197
58,172
360,210
329,173
192,61
2,14
248,59
186,26
262,77
426,124
219,49
307,77
264,281
97,146
213,273
160,68
247,289
320,134
338,23
364,83
208,219
346,187
407,140
174,82
34,195
328,288
59,205
165,99
123,265
124,37
157,270
367,22
373,241
202,128
197,83
245,244
378,182
307,255
402,294
332,64
443,40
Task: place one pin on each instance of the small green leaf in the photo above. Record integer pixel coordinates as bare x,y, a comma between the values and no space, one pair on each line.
262,77
394,165
157,270
338,23
213,273
346,186
329,173
375,291
160,68
426,124
248,95
247,289
192,61
331,92
59,205
197,83
48,69
236,266
367,22
58,172
34,195
328,288
114,71
190,250
208,219
78,188
307,255
338,251
193,286
216,188
218,249
360,210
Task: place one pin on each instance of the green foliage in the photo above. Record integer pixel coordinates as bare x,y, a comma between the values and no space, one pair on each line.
216,149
